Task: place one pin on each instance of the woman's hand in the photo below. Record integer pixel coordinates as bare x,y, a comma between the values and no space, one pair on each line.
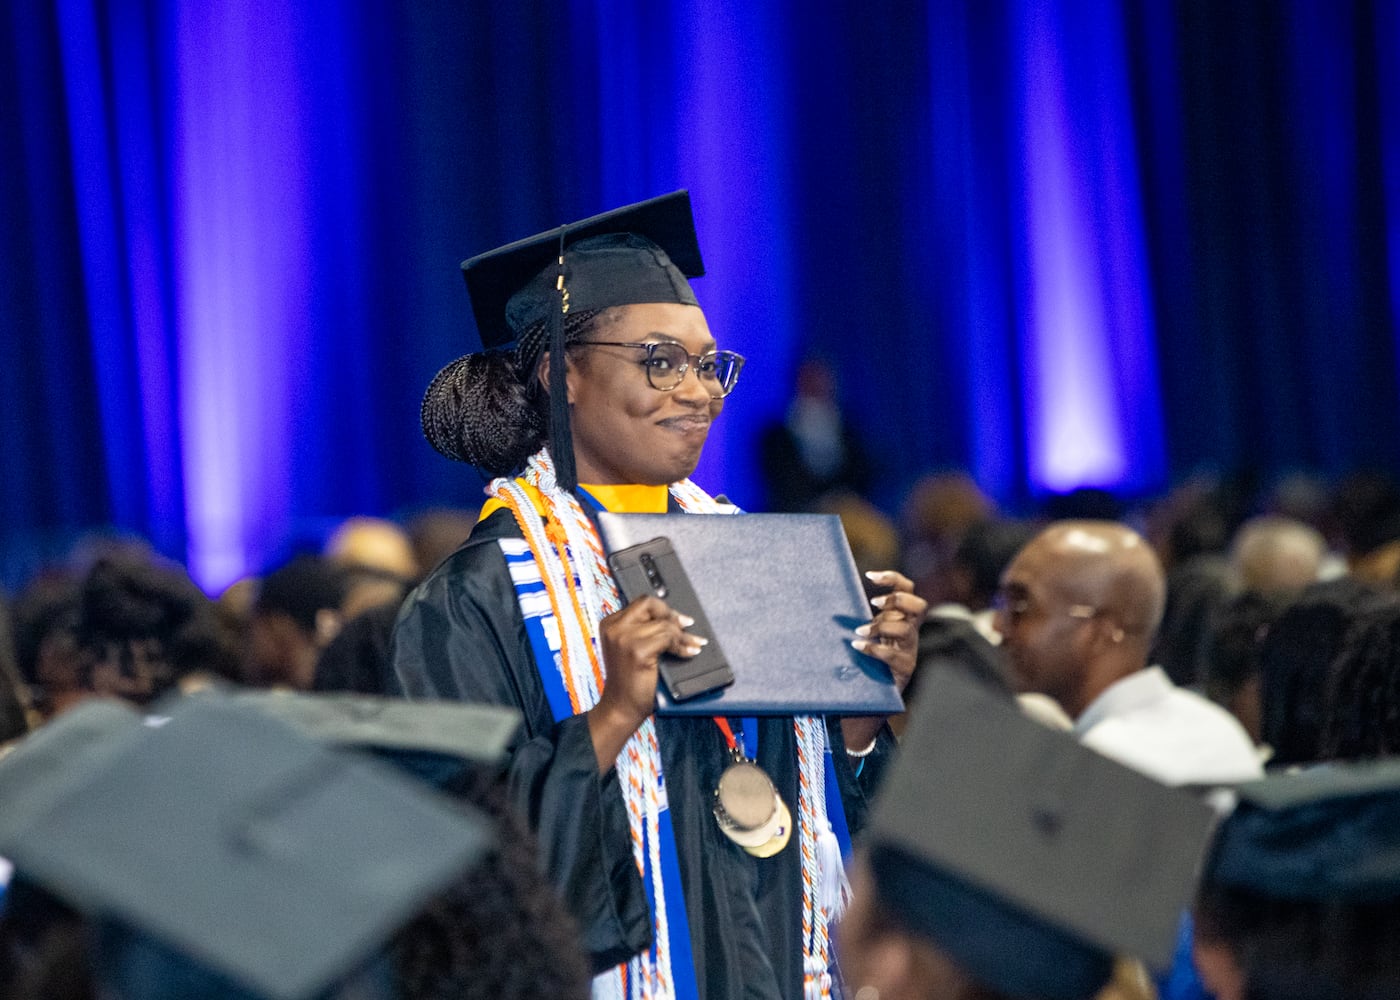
632,641
892,637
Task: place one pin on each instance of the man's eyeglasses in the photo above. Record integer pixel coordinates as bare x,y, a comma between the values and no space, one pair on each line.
667,362
1016,605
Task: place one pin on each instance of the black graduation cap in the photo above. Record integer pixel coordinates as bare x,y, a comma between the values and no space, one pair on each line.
1329,833
441,742
43,767
230,838
1028,859
636,254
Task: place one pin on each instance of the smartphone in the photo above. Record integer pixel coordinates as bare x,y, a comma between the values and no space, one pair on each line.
654,568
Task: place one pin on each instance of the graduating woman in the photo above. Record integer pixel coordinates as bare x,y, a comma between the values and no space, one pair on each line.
596,391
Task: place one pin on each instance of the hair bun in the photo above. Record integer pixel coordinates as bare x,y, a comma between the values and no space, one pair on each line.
476,410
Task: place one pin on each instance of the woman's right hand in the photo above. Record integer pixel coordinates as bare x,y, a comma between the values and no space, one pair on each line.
632,641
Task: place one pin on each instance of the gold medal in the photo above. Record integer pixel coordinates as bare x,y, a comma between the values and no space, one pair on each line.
749,810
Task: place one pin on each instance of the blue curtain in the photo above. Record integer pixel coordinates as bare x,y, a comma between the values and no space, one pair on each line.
1057,244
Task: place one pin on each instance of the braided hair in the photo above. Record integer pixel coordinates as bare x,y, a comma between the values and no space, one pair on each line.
488,409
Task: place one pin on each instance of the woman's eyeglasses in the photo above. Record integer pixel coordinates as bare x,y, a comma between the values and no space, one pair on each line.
667,362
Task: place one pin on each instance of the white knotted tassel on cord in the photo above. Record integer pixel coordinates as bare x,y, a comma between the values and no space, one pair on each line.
835,887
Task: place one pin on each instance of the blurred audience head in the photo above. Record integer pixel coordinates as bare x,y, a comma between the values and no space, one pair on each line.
937,512
1362,718
437,533
1233,661
1366,513
1197,591
983,554
47,655
373,543
144,627
14,693
296,614
1277,555
1295,665
873,538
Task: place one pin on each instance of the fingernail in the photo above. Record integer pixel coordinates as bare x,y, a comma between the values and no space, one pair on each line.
700,639
880,601
861,645
685,620
874,574
863,630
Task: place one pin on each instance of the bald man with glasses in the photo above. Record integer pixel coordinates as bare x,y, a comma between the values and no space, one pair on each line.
1079,608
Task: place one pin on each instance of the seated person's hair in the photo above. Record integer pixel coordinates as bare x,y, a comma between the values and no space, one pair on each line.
129,602
1236,638
1295,661
1362,721
1304,949
300,588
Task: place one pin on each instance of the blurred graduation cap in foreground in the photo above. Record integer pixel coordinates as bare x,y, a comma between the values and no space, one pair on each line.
1328,833
439,742
218,836
1028,859
1300,899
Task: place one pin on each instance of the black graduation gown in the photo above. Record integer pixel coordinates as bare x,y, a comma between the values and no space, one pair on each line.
460,635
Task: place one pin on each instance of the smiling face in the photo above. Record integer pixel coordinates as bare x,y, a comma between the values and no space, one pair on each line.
626,432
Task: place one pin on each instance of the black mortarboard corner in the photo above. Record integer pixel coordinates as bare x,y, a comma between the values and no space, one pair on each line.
637,254
225,839
440,742
1028,859
1330,833
44,766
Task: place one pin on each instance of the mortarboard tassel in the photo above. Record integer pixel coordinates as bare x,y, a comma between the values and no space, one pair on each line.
561,439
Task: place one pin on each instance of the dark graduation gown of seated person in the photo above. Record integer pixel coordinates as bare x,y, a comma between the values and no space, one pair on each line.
461,636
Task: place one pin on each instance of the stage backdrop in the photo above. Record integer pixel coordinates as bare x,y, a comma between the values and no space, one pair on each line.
1052,243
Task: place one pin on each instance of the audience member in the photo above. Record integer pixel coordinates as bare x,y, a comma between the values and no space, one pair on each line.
145,627
1277,555
974,573
46,643
813,452
1080,606
437,533
873,538
1005,861
938,511
367,588
296,613
1300,899
14,696
1362,715
1295,662
373,543
358,659
1234,668
1366,511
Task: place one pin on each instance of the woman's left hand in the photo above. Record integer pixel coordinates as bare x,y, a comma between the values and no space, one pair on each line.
893,636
